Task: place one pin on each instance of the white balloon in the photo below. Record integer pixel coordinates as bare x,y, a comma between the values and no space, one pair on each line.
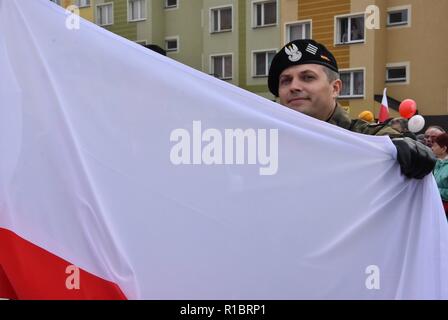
416,123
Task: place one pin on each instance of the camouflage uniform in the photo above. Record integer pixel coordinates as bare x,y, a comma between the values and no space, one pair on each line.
415,159
341,118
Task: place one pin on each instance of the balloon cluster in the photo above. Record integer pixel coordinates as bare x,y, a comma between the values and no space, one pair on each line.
408,110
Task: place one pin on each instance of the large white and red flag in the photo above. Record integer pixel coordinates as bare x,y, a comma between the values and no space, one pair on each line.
125,174
384,109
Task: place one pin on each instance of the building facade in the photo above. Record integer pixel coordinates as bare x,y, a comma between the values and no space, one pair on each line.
234,40
84,6
393,44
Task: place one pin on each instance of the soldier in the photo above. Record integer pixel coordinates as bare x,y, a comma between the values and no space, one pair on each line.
304,76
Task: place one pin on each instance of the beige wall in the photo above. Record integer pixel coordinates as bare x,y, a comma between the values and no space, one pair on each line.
425,46
420,44
380,38
371,56
289,13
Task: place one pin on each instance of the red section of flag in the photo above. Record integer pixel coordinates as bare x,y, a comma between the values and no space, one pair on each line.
384,114
6,289
30,272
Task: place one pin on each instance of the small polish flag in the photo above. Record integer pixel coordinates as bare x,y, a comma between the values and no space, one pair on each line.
384,110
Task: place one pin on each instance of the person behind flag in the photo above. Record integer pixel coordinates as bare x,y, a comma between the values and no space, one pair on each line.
440,149
431,134
401,125
420,138
304,75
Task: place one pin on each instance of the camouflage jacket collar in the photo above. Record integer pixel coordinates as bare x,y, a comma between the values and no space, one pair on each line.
340,118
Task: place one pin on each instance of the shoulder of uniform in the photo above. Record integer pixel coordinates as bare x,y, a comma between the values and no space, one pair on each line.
359,122
376,125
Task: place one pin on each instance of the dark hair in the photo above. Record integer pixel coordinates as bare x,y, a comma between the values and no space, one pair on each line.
442,140
156,48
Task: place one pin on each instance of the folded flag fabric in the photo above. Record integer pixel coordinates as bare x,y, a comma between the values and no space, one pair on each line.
127,175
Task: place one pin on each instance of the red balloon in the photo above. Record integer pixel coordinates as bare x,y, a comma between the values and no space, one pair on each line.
408,108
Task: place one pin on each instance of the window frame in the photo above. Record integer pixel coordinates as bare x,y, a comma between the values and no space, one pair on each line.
352,83
406,24
78,4
172,7
254,61
211,24
254,4
294,23
396,65
144,11
337,30
104,5
211,65
170,38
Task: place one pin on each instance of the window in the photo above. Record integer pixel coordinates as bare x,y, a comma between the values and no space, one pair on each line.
398,16
265,13
221,67
171,44
299,30
221,19
104,14
56,1
397,72
350,29
136,10
83,3
170,3
352,84
262,62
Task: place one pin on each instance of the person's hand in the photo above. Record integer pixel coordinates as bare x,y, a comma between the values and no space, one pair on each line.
416,160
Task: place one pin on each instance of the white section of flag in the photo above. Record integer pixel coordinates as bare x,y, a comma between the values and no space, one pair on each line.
384,109
384,100
85,123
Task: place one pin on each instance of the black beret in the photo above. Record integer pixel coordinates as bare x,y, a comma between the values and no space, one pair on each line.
299,52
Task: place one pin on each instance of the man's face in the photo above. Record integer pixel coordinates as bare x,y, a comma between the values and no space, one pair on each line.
431,135
306,88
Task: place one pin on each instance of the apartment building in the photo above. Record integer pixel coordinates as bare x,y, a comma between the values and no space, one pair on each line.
240,38
235,40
